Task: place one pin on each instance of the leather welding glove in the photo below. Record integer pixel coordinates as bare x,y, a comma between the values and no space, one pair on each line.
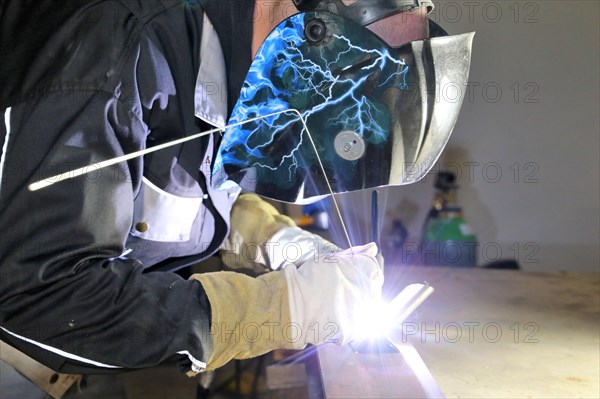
317,302
296,246
252,222
330,298
262,239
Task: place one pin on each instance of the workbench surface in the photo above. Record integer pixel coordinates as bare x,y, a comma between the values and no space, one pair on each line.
506,334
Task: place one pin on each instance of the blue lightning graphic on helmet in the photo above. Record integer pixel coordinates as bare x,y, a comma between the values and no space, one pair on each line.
330,85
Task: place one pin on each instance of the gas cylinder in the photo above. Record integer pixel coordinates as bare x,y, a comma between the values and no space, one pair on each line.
447,239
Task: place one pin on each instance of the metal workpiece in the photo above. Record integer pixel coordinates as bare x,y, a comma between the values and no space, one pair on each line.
402,374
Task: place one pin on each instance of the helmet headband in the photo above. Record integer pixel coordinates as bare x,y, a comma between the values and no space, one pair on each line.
363,12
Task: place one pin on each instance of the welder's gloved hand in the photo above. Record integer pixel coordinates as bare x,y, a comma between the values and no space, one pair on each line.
293,245
262,239
249,316
319,301
330,298
252,222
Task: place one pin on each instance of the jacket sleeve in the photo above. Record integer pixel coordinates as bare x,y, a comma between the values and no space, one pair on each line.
68,295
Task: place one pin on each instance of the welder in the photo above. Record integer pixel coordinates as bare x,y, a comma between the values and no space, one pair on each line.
87,280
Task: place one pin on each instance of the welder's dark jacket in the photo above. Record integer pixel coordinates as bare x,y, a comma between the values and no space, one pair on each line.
81,82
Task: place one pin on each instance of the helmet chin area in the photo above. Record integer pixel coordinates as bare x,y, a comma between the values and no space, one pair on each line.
327,104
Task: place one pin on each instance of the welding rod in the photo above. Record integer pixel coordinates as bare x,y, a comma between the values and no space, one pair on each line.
374,218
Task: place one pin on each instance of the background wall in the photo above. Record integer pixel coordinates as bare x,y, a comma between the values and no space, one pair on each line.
526,146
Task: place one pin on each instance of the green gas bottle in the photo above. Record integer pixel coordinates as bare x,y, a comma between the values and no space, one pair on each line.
447,239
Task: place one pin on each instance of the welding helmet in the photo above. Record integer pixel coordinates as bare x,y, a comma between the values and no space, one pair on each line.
329,107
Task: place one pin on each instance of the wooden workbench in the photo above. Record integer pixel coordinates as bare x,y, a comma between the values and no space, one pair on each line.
506,334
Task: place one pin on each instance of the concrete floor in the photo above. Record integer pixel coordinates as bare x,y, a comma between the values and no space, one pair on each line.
13,385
